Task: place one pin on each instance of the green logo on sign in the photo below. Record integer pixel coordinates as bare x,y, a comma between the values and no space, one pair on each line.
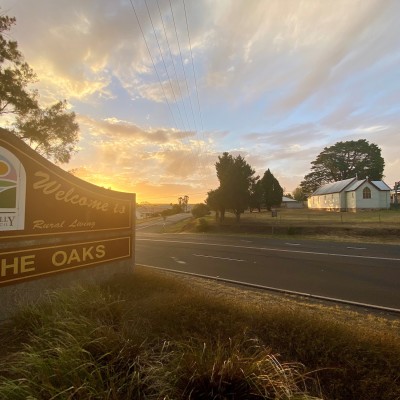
8,185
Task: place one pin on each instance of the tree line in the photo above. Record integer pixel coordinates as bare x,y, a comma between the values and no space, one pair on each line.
239,188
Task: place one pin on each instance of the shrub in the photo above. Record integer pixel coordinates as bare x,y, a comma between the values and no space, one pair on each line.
200,210
203,225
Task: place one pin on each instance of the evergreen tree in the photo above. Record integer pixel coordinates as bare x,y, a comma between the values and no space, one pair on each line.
272,190
215,202
256,196
236,178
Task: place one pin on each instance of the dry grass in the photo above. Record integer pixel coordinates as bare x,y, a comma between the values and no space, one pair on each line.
153,336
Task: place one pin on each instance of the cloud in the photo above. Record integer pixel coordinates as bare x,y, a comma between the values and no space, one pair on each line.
297,134
113,128
84,45
277,82
123,155
330,58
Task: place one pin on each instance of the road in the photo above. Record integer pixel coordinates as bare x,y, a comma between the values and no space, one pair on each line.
364,273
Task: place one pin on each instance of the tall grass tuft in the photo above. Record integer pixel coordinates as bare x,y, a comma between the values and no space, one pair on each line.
240,368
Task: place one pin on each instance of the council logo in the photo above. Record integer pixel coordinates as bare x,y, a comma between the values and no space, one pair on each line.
12,192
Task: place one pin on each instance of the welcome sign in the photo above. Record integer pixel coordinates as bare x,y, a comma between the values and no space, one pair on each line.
52,221
58,202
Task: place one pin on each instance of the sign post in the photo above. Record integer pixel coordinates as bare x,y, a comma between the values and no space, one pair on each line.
52,222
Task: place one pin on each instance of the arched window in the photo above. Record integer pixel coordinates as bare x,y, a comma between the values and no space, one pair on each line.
366,193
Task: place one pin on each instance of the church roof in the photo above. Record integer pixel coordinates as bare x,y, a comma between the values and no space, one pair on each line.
348,185
355,185
380,185
334,187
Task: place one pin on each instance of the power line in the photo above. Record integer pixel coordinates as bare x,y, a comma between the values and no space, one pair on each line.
158,75
195,82
165,66
180,53
194,72
183,66
152,61
170,81
155,69
197,159
173,64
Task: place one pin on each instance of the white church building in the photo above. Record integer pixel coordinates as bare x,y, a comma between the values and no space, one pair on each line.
351,195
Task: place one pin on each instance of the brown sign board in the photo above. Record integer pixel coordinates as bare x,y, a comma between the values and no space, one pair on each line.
39,201
20,265
38,198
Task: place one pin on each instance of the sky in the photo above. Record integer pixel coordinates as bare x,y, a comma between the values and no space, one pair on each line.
161,88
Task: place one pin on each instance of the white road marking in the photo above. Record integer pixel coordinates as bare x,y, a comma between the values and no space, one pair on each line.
178,261
219,258
293,244
318,253
357,248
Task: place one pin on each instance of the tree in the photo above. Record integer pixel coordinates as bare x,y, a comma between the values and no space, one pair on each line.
236,178
215,202
185,202
272,190
52,131
256,196
344,160
298,194
15,75
175,209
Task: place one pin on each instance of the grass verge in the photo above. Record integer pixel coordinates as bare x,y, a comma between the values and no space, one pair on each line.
368,226
152,336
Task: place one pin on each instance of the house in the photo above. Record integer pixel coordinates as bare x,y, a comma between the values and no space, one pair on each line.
287,202
351,195
395,194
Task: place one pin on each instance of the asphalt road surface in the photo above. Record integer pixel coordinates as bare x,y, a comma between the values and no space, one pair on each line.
363,273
